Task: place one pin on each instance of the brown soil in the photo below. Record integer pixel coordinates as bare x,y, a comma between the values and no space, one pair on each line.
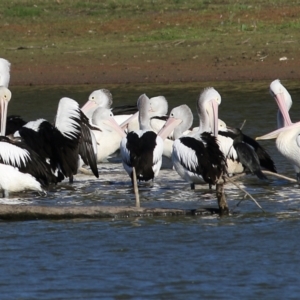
167,71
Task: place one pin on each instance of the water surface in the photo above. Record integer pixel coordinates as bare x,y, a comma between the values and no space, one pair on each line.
249,255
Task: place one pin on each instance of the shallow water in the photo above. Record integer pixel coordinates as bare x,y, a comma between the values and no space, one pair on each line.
250,254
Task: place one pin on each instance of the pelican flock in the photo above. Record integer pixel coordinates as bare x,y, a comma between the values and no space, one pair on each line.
39,153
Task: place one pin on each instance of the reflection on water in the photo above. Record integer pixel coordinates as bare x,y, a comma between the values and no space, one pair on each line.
249,255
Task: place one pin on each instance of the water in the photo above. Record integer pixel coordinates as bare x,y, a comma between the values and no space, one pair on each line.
248,255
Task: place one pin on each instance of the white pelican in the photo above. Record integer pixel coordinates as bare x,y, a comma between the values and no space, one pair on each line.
284,102
109,133
288,144
103,98
98,98
142,149
179,121
288,135
158,108
198,158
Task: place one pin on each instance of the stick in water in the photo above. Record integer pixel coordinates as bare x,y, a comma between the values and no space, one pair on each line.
279,176
244,192
135,188
242,126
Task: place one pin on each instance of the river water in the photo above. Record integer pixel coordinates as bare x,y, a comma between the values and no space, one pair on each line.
250,254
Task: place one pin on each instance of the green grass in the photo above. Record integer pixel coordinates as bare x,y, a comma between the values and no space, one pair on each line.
53,27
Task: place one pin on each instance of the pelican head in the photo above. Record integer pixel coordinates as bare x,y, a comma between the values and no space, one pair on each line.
5,96
104,119
207,107
98,98
158,106
180,119
284,102
222,125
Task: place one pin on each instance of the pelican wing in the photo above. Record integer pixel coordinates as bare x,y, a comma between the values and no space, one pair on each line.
19,155
87,146
68,118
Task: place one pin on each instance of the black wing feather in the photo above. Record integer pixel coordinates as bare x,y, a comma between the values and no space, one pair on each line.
86,149
141,153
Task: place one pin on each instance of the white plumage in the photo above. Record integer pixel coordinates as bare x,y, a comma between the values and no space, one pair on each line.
68,114
13,155
12,180
4,72
109,135
288,135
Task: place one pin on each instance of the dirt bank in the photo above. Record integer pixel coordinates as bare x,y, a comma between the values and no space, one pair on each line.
84,71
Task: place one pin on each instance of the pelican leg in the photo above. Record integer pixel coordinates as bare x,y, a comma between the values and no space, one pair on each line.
71,179
192,186
298,177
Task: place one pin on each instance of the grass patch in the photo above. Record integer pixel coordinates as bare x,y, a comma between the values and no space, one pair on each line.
56,27
22,12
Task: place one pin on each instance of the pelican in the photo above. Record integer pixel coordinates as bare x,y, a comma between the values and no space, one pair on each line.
109,133
288,144
98,98
103,98
284,102
61,143
158,108
20,167
288,135
197,158
142,149
179,121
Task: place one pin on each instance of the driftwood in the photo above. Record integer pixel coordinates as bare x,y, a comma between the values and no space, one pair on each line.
34,212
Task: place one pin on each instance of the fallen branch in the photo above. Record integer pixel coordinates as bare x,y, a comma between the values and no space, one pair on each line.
244,192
